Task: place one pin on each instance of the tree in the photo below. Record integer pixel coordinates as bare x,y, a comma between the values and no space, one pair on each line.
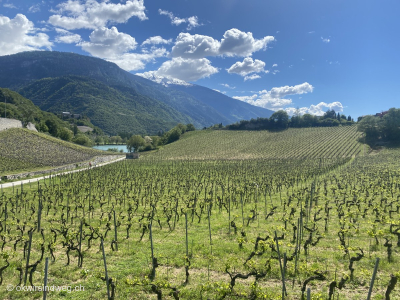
371,127
173,135
296,118
52,126
330,114
134,143
349,118
65,134
99,140
190,127
181,127
280,119
83,140
391,125
75,129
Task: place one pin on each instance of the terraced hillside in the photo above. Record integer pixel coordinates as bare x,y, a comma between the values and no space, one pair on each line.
21,150
320,142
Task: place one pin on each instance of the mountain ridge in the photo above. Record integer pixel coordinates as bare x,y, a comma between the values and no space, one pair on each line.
199,105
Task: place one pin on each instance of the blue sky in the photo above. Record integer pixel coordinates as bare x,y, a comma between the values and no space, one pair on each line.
311,55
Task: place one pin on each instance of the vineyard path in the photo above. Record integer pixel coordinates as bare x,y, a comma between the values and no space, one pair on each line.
16,183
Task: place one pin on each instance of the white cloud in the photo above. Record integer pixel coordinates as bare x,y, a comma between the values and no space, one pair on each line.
35,8
187,69
317,110
183,69
283,91
9,5
195,46
74,14
19,34
233,43
164,80
223,92
138,61
325,40
228,86
64,36
273,99
192,21
115,46
108,43
320,107
239,43
247,66
275,65
252,77
156,40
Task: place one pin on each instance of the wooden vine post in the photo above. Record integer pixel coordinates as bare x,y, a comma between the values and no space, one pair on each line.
46,269
27,257
105,270
373,279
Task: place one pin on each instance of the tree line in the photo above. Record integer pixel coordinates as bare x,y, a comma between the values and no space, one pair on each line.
280,120
138,143
384,127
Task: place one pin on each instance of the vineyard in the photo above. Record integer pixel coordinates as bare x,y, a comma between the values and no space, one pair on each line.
260,228
21,150
292,143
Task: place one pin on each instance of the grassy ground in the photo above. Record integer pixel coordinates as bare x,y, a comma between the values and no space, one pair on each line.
353,199
24,150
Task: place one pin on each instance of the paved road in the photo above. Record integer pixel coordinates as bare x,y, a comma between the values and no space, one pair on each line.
16,183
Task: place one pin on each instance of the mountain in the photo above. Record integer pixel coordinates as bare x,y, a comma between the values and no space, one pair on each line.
23,109
181,103
112,109
234,110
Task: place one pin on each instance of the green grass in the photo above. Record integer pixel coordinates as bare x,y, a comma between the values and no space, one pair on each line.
318,142
24,150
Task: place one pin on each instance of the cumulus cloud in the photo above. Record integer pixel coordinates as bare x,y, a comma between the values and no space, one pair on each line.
19,34
321,107
138,61
156,40
233,43
115,46
239,43
187,69
195,46
66,37
182,69
317,110
74,14
273,99
192,21
246,67
108,43
278,92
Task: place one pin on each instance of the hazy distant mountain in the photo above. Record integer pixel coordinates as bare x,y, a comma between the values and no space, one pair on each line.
151,106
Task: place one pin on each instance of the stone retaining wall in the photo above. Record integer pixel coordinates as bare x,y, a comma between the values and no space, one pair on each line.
95,160
12,123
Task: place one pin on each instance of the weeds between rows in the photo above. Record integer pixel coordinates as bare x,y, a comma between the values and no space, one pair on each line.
329,218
